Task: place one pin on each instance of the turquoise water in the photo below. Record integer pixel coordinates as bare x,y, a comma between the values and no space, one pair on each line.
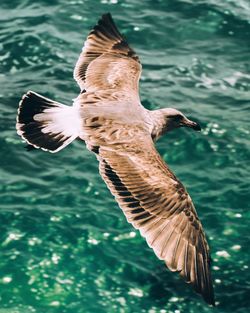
65,245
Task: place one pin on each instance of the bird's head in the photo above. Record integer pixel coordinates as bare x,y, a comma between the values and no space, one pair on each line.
175,119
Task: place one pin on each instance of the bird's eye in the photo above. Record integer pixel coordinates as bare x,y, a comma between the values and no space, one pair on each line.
176,117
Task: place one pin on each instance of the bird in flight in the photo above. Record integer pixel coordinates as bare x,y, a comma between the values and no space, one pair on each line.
109,117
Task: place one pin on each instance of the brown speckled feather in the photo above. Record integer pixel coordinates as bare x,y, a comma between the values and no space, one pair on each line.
157,204
120,131
109,117
107,61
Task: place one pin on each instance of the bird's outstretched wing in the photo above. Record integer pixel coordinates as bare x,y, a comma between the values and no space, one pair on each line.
107,62
157,204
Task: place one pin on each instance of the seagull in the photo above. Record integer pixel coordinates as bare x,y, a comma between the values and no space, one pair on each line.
109,117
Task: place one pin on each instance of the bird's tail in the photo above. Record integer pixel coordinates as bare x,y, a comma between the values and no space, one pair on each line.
46,124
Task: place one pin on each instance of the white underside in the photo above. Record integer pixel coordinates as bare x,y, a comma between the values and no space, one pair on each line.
63,120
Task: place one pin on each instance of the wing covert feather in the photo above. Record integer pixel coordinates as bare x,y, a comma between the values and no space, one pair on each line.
151,197
106,60
157,204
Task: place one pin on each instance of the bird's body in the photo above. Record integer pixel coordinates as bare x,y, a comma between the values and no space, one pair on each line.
110,118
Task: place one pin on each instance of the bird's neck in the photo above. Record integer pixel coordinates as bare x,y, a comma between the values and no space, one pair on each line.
158,124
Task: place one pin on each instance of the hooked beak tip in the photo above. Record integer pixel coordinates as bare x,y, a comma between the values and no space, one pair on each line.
196,127
191,124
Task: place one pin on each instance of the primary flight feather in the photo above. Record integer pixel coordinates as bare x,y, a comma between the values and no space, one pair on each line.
110,118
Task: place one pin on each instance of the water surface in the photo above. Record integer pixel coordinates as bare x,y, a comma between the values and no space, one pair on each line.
65,245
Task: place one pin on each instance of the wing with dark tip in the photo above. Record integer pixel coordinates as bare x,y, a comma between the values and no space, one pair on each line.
157,204
106,61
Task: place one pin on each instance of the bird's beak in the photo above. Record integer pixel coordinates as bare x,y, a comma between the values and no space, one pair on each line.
187,123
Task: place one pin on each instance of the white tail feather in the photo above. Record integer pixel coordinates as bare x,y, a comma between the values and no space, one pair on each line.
47,124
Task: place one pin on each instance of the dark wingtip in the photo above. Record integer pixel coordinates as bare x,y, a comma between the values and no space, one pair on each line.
107,26
107,15
210,300
208,294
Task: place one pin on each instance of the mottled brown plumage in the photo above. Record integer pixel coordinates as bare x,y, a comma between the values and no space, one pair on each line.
109,117
151,197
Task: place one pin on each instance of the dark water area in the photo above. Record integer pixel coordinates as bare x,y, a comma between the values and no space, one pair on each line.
65,245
